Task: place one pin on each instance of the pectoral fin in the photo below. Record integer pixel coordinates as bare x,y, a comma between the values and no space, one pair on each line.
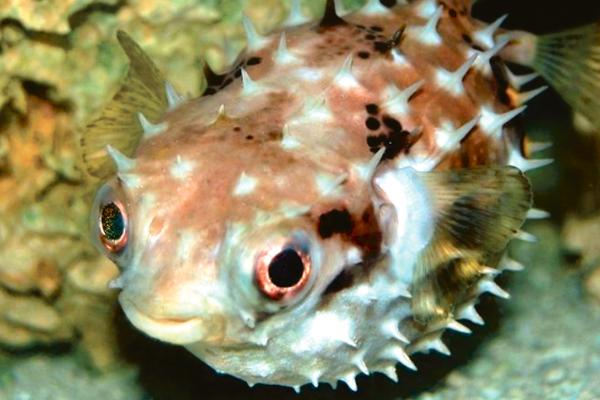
477,212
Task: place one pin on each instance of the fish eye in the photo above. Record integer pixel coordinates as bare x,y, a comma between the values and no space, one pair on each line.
282,271
112,226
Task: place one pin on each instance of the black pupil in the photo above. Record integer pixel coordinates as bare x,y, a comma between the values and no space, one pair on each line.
112,222
286,268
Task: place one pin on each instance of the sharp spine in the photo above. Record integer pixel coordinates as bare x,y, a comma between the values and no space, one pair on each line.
426,8
491,287
344,77
486,35
470,314
453,80
534,147
397,353
508,264
518,81
428,33
373,7
390,372
366,172
483,61
174,99
283,55
516,159
254,40
391,329
458,327
121,161
314,379
489,271
536,213
289,142
249,87
359,361
525,236
148,127
350,380
295,17
491,123
439,346
449,139
524,97
397,102
331,15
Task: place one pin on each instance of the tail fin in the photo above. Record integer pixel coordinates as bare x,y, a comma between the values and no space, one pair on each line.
570,62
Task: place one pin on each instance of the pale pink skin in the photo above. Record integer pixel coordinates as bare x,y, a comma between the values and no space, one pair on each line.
196,223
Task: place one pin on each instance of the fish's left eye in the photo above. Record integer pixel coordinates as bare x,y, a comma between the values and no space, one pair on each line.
282,272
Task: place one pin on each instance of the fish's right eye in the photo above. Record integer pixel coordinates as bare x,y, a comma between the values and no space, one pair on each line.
112,226
110,223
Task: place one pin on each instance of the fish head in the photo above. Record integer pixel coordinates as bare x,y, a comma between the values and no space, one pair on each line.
249,254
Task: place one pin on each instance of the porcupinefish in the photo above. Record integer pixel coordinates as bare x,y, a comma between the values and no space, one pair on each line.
335,200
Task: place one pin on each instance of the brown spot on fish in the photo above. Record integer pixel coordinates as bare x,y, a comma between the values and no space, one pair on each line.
334,221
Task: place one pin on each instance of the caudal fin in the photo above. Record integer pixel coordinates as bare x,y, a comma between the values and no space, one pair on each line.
570,62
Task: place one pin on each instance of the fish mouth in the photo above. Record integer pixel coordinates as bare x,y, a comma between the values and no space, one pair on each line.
174,330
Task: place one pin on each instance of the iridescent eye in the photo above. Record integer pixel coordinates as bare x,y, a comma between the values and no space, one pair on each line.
282,272
112,224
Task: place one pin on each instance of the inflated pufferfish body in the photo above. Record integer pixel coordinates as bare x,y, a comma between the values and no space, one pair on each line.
328,206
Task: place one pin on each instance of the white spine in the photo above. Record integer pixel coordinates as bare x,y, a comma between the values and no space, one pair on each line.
344,78
283,55
536,213
524,97
518,81
485,36
452,81
249,87
148,127
373,7
428,34
174,99
254,40
296,17
121,161
491,123
470,314
397,100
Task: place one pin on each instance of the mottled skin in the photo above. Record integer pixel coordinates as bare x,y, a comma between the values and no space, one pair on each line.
286,149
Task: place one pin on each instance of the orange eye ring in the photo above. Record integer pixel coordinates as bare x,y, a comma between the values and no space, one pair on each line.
112,226
281,272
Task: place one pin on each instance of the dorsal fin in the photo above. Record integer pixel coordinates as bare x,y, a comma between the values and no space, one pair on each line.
143,91
477,212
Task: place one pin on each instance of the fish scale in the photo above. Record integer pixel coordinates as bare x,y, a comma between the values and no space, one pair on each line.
332,203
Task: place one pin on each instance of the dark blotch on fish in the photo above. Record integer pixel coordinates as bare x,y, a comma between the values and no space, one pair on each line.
334,221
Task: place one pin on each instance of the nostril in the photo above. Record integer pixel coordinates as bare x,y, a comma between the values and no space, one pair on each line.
156,226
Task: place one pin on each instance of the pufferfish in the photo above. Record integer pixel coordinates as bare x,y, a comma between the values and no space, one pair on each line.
337,198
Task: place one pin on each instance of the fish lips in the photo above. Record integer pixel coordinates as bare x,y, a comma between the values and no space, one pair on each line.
171,329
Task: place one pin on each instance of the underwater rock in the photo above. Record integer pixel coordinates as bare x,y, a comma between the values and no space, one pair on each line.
580,237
